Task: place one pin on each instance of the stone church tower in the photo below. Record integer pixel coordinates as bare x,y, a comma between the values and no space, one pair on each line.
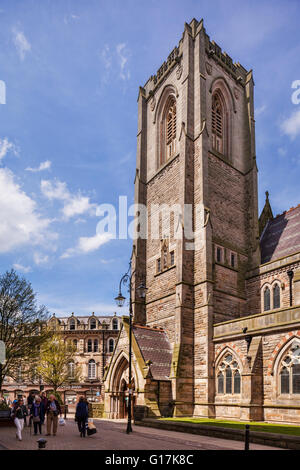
218,334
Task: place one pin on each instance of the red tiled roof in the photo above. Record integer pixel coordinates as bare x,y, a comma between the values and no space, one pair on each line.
282,236
155,347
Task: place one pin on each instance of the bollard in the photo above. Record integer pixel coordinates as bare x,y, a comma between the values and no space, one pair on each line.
41,443
247,436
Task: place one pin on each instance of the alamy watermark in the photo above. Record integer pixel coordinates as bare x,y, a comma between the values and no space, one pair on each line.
296,94
2,92
155,222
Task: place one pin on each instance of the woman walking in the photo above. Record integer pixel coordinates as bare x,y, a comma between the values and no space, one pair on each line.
81,416
18,413
37,412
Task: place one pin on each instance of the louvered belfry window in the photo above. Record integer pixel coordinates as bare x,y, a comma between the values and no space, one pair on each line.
217,124
171,129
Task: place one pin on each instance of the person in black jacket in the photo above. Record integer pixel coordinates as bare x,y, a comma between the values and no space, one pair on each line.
81,416
52,411
18,413
37,414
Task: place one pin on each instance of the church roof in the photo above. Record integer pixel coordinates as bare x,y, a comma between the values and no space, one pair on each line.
281,236
155,347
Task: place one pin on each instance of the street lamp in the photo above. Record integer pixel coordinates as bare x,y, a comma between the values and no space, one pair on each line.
126,279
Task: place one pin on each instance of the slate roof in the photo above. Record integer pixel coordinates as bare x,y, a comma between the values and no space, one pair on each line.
281,236
155,347
85,319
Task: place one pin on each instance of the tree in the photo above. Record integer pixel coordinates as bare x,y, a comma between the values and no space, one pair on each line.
22,326
57,363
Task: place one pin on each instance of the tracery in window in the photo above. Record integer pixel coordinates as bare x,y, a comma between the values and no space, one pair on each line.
289,371
228,374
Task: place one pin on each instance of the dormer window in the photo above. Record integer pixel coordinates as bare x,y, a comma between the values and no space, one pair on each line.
93,324
72,324
115,323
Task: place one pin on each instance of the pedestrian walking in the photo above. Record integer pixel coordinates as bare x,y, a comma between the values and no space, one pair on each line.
44,399
81,416
17,414
37,414
53,410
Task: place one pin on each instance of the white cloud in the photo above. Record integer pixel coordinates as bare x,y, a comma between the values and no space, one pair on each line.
74,204
123,59
21,268
260,110
43,166
22,44
6,146
40,259
87,245
20,222
291,125
282,151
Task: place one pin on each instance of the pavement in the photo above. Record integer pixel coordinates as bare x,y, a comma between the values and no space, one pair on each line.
111,435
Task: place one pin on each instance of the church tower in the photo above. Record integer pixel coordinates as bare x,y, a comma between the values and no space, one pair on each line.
195,155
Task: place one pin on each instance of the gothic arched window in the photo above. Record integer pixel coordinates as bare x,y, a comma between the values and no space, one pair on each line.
167,132
289,371
228,372
276,296
218,124
267,299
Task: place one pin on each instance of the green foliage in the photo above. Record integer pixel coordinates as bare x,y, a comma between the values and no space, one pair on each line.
22,326
55,357
57,396
4,406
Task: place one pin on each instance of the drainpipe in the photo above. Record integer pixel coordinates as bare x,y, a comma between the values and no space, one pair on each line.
291,275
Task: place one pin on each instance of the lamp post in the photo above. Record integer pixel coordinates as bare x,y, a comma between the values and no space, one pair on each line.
126,279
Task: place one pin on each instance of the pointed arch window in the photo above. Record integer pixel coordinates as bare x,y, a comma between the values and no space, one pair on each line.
167,132
218,124
267,299
289,371
229,376
276,296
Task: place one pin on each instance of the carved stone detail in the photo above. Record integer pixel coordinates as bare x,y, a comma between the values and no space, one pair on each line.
179,71
152,104
208,68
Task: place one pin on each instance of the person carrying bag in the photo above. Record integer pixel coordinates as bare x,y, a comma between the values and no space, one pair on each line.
52,411
37,414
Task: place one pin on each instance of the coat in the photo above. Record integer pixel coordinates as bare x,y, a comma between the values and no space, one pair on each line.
82,411
57,407
38,411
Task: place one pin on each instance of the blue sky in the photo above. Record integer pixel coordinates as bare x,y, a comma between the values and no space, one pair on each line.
68,129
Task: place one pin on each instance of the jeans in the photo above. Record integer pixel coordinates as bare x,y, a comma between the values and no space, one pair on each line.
19,422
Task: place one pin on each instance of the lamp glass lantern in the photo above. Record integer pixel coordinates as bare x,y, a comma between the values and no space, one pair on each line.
120,299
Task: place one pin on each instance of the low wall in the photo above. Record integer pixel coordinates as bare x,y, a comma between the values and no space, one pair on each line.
268,439
96,410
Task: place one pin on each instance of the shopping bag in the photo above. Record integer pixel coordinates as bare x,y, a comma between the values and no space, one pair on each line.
61,422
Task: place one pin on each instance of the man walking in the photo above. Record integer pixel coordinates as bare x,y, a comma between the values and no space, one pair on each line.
53,410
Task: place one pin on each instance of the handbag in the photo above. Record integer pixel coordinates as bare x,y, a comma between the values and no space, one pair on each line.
36,419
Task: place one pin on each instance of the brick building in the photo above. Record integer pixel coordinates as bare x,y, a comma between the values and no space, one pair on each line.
94,337
219,332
